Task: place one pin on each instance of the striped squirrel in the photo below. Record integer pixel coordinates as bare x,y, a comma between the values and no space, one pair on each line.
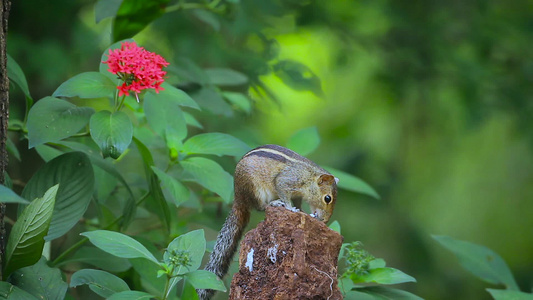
270,175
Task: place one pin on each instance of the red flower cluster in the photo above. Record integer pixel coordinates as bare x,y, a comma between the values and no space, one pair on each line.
138,68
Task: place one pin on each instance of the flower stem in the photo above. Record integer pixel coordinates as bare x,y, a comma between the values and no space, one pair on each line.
121,103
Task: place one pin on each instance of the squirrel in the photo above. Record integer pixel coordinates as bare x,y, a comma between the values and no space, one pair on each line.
270,175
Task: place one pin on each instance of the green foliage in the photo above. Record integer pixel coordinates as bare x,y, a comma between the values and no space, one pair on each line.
40,280
186,137
480,261
26,240
102,283
52,119
485,264
74,174
111,131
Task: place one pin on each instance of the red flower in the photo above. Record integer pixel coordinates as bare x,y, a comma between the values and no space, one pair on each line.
138,68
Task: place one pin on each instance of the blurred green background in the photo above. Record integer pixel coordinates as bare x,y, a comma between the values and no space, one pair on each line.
429,102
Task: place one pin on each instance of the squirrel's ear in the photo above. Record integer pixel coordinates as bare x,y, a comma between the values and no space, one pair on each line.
336,180
326,179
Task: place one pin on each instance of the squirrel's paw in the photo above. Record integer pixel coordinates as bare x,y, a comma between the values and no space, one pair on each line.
279,203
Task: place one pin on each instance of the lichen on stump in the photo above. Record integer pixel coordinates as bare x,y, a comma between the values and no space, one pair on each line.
290,255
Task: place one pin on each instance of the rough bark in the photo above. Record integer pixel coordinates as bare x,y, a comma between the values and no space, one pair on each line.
289,256
4,116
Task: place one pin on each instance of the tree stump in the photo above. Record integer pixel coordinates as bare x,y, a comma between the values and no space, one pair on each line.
290,255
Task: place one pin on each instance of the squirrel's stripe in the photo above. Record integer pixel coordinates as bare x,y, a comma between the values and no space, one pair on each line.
274,154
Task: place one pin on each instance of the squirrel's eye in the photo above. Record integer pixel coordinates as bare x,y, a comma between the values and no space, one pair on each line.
327,198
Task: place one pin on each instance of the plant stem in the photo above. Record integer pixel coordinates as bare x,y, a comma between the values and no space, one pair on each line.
80,243
121,103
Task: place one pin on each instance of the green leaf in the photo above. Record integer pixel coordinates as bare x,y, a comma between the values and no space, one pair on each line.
165,116
380,293
15,73
52,119
74,174
215,143
101,282
207,17
112,132
130,295
509,295
87,85
134,15
298,76
202,279
41,281
352,183
26,240
210,175
239,101
11,148
177,190
480,261
11,292
159,205
191,120
226,77
105,9
194,244
304,141
47,153
8,196
174,94
210,99
335,226
99,258
383,276
119,244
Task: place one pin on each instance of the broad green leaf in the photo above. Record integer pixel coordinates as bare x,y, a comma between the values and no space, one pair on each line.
352,183
380,293
41,281
304,141
509,295
226,77
11,292
177,190
101,282
210,99
383,276
8,196
298,76
194,244
148,273
239,101
48,153
377,263
26,240
210,175
15,73
52,119
202,279
335,226
130,295
134,15
99,258
87,85
165,116
171,93
105,9
480,261
215,143
112,132
191,120
189,292
119,244
157,199
74,174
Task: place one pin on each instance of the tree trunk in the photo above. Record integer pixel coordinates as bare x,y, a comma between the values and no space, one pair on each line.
4,116
288,256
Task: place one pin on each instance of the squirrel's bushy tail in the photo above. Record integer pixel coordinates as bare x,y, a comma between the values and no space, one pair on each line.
226,244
